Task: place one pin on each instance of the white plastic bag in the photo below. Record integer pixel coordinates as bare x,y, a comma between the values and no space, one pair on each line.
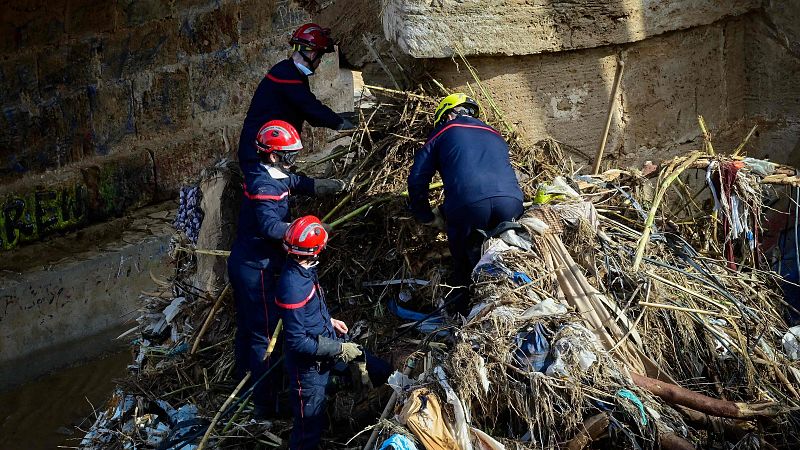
791,343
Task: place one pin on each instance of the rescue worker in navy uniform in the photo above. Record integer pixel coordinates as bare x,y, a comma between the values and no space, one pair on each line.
480,187
257,256
284,93
312,338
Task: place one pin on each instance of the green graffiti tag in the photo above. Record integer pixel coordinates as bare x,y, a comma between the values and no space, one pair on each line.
32,216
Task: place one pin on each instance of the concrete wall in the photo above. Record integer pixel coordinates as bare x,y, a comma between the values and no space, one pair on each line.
120,102
437,29
734,62
77,288
565,95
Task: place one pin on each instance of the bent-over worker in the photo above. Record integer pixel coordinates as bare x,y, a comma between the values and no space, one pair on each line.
480,186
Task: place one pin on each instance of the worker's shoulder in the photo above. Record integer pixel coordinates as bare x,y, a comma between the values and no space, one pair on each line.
260,185
463,125
285,72
295,285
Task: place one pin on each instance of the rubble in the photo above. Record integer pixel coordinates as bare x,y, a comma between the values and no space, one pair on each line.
625,311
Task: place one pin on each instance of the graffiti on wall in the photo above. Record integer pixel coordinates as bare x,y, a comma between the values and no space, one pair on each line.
289,15
32,216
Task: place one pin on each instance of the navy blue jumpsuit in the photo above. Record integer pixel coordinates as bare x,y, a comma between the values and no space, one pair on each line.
283,94
480,186
310,345
256,259
257,256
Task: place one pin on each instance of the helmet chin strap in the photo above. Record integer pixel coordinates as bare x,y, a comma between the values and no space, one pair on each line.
309,61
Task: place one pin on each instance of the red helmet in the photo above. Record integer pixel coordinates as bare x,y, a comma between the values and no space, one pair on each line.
305,237
278,136
313,37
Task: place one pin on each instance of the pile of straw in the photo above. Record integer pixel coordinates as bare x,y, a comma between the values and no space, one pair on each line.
640,272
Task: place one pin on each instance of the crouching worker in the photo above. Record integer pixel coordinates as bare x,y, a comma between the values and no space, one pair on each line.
480,186
312,343
257,256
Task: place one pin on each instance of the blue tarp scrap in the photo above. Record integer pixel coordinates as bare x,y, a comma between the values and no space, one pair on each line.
532,348
398,442
428,325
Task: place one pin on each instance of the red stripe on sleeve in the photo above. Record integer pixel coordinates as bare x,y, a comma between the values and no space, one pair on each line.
490,129
264,196
296,305
272,77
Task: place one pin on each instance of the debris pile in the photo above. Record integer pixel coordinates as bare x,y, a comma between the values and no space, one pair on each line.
630,309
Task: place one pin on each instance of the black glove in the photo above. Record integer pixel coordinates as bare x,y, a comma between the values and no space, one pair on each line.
327,186
352,116
345,125
328,347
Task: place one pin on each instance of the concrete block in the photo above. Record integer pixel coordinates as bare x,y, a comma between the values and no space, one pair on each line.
142,48
426,29
363,18
136,12
772,73
19,77
222,195
66,67
119,183
565,95
181,159
204,32
72,301
112,114
662,101
162,101
31,23
223,81
85,17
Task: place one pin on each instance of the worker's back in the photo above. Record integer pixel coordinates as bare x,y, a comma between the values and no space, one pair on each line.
473,161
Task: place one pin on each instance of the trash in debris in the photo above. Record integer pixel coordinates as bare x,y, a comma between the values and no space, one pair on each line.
623,299
398,442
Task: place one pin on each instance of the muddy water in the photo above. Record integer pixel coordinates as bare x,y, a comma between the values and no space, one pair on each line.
43,414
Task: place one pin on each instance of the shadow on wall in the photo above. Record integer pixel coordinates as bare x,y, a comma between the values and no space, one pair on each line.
682,59
565,94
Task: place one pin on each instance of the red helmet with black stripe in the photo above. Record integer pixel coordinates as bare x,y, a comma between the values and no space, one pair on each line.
313,37
305,237
278,136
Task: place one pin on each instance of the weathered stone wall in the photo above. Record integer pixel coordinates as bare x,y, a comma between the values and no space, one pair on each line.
734,62
565,95
111,105
771,58
437,29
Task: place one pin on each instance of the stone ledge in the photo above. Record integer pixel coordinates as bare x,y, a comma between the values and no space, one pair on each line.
425,29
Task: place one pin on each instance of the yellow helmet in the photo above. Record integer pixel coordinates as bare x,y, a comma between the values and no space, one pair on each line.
450,102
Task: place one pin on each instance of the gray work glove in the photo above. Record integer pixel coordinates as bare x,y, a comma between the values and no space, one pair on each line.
350,351
327,186
438,220
328,347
